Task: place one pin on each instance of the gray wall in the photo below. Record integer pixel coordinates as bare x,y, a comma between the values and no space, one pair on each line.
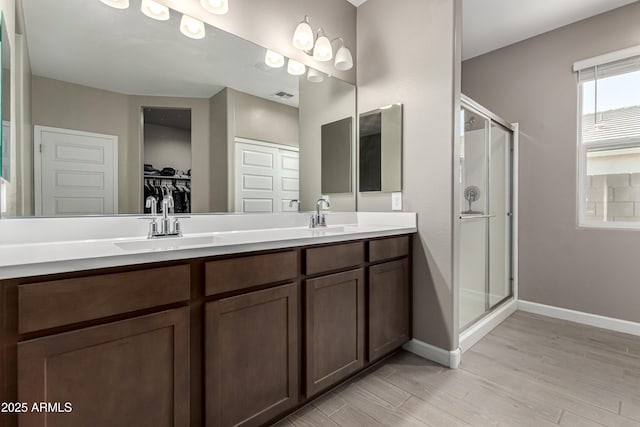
406,54
220,121
167,146
322,103
270,23
531,82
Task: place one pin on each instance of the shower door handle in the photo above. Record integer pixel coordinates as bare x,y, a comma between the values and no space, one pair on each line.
476,216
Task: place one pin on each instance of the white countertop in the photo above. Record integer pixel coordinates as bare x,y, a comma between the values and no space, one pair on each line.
75,244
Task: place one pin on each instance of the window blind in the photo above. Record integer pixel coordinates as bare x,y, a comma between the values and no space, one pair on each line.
610,64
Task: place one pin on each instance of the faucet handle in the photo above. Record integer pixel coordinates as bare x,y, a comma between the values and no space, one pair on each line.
152,202
323,220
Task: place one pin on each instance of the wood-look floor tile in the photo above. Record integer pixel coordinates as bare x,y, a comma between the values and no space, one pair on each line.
310,416
630,408
349,417
329,403
569,419
530,371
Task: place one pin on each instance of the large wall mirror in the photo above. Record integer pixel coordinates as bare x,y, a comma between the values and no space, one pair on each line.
125,107
381,149
5,104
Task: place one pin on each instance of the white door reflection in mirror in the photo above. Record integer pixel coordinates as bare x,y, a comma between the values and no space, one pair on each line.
75,173
266,176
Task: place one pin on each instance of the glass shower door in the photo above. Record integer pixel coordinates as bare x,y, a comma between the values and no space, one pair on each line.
485,216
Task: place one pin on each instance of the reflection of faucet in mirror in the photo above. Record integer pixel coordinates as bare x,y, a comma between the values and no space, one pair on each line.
291,202
318,219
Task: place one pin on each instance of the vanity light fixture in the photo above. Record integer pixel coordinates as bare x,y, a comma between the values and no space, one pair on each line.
273,59
219,7
344,60
295,68
303,35
192,27
322,50
320,47
315,76
155,10
118,4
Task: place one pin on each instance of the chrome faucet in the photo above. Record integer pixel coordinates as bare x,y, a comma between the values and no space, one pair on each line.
168,228
291,202
318,219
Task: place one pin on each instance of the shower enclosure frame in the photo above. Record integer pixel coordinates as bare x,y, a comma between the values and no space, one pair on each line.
496,313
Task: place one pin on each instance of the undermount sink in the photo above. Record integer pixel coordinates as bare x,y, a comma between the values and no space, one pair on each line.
326,230
168,243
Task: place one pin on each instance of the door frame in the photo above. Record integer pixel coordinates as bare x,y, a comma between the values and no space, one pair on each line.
474,332
37,161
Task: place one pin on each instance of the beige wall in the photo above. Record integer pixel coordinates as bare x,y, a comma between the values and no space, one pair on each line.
531,82
220,139
406,54
166,146
264,120
200,140
270,23
9,190
322,103
70,106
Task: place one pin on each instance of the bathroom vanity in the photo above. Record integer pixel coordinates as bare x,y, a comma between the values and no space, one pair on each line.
217,332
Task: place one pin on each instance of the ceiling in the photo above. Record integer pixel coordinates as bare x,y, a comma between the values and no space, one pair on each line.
124,51
491,24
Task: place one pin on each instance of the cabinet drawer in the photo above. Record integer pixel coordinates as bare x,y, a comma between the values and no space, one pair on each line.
240,273
334,257
55,303
388,248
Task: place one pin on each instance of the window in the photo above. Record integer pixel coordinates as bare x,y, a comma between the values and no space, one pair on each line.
609,142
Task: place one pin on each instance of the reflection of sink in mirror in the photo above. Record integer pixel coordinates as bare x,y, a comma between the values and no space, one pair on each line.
168,243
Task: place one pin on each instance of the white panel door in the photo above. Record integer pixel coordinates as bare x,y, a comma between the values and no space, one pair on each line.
75,172
266,177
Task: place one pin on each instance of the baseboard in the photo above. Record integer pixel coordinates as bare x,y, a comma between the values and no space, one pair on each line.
596,320
450,359
475,333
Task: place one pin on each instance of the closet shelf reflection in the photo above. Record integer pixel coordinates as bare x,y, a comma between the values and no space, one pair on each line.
167,177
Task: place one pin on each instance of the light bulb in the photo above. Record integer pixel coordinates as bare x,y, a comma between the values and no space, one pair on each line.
155,10
273,59
118,4
322,50
192,27
295,68
219,7
303,36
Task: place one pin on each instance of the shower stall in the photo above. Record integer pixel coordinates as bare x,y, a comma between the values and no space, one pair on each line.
485,244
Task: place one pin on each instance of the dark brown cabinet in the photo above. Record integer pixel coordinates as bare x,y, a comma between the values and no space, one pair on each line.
132,372
335,331
389,307
251,360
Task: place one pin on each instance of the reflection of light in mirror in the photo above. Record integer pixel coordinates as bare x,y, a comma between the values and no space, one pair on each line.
273,59
155,10
118,4
315,76
322,51
219,7
303,36
295,68
192,27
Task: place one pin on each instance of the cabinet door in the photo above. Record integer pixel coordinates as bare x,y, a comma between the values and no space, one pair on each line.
389,307
133,372
334,328
251,361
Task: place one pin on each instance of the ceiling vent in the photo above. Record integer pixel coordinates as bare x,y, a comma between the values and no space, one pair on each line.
283,95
